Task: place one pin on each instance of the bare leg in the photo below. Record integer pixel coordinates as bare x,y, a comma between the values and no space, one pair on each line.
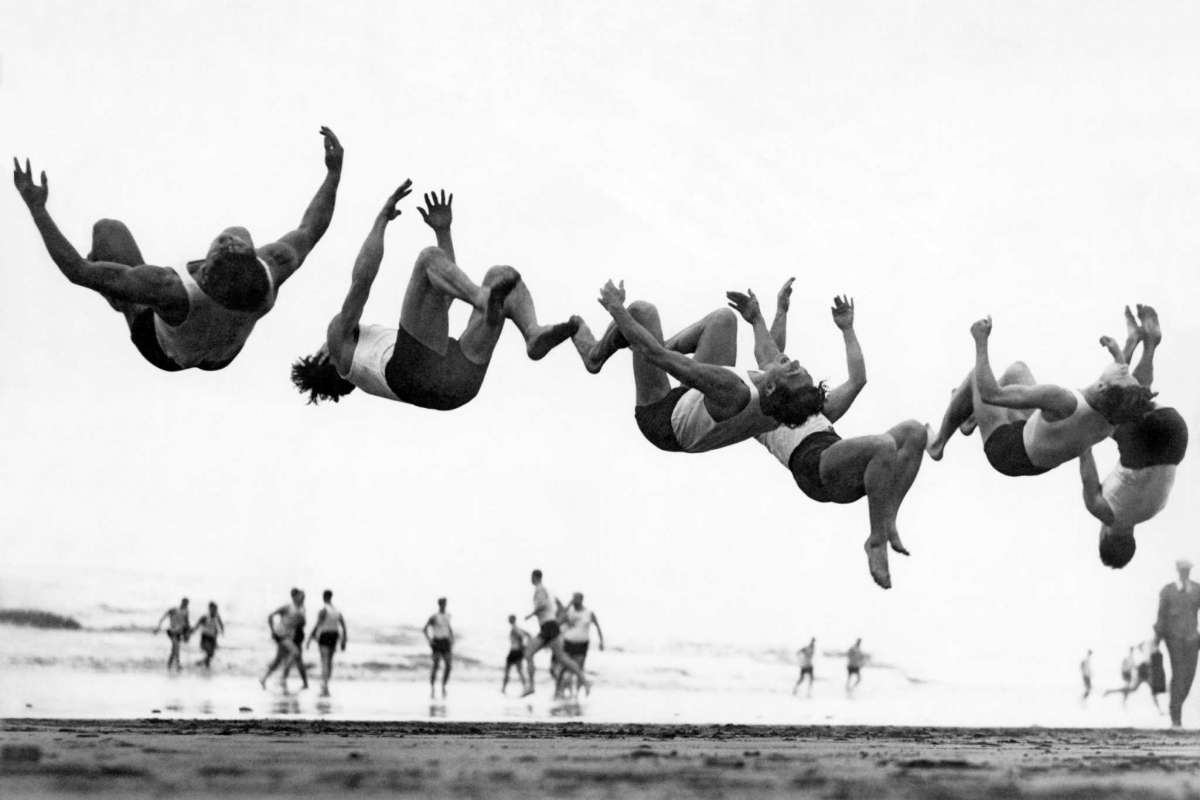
965,405
1152,336
534,646
509,298
569,664
448,662
595,353
713,339
112,241
435,283
433,675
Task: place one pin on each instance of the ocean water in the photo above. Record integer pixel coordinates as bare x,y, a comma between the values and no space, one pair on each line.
115,667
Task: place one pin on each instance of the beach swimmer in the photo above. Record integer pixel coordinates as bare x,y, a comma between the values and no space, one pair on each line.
805,655
547,609
578,622
178,630
518,640
329,630
283,623
210,626
440,636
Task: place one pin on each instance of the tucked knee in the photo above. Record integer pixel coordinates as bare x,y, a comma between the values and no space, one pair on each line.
723,318
109,227
912,434
642,310
500,274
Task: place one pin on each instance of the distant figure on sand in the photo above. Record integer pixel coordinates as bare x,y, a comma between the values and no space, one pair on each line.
328,630
806,665
518,640
178,630
1178,606
826,467
283,623
1029,428
1150,449
715,405
418,362
1085,672
440,636
210,626
854,663
198,314
577,637
1135,671
546,609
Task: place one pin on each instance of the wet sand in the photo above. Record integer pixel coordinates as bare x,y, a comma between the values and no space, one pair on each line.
232,759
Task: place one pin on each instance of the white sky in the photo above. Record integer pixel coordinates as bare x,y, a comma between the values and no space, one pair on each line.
937,161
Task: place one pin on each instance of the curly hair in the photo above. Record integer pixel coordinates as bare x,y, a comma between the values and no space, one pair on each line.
319,378
1119,404
794,406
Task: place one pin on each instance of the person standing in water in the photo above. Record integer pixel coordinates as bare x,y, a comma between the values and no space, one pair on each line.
290,616
577,638
546,609
806,665
1085,672
518,640
854,662
177,630
440,636
209,625
328,630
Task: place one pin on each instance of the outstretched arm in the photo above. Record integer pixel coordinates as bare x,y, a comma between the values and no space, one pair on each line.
765,348
342,329
286,255
147,285
439,216
840,398
722,388
1054,400
1093,500
783,301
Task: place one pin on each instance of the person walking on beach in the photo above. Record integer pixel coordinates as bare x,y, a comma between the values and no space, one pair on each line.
1135,670
806,665
1178,606
209,625
577,637
328,630
199,314
854,662
418,362
178,630
282,623
518,640
1085,672
546,609
298,640
440,636
1030,428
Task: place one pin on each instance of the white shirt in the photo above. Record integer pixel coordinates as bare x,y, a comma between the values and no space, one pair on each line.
783,441
1136,495
579,625
698,432
372,352
545,608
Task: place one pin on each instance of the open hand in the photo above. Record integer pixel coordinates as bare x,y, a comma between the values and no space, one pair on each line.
982,328
783,300
333,150
843,312
33,194
745,304
438,214
390,211
612,297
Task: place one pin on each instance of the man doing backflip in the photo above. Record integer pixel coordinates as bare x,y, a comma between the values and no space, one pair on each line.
198,314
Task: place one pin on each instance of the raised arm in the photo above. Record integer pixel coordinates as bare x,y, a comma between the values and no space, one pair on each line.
157,287
840,398
439,216
341,335
765,348
1057,401
783,301
722,389
286,255
1093,500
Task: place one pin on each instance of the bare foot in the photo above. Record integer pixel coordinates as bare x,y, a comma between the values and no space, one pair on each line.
1110,344
551,336
593,355
895,543
968,427
933,447
527,692
263,683
1150,324
1133,331
497,294
877,563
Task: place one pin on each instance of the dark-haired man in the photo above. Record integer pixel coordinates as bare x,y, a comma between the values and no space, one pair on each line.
1150,448
518,640
826,467
1178,606
199,314
178,629
715,405
440,635
547,609
418,362
1029,428
329,630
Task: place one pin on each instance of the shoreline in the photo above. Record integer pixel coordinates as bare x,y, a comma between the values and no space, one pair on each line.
250,758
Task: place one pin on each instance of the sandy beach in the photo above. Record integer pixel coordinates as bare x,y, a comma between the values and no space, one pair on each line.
47,758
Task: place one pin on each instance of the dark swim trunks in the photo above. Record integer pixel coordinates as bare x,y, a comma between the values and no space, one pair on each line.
208,643
141,333
327,639
440,646
514,657
854,671
806,671
1005,451
654,420
548,632
421,377
805,465
576,649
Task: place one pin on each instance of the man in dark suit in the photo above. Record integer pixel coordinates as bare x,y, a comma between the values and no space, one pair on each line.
1178,605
